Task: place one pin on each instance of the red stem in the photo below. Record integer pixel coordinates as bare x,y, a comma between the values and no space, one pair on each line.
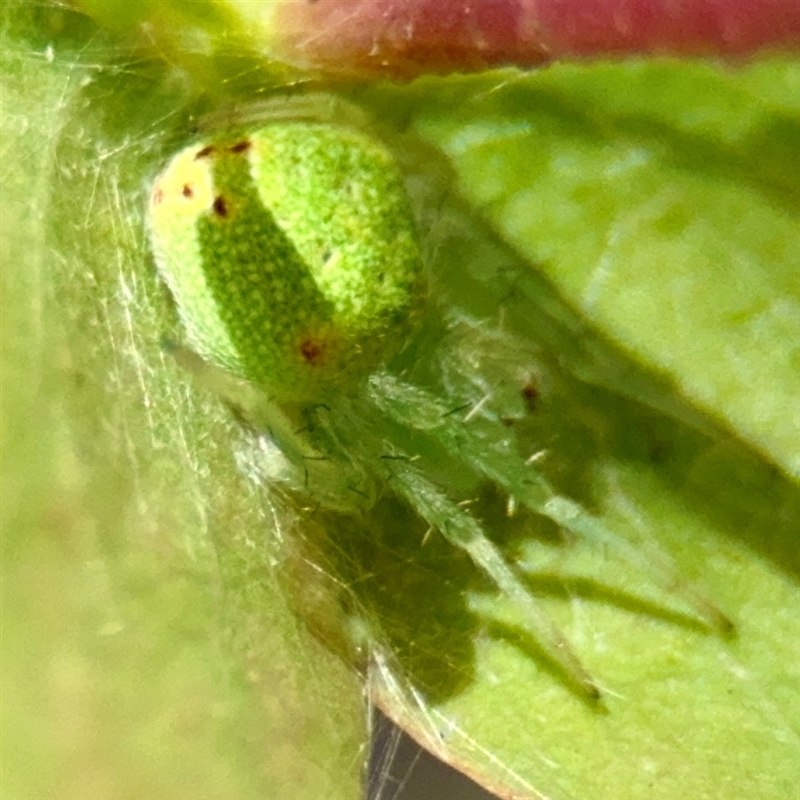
407,37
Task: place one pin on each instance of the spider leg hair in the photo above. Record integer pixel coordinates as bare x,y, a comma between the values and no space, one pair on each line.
489,448
459,528
334,482
463,530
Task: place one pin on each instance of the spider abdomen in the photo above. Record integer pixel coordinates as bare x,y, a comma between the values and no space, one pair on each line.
291,252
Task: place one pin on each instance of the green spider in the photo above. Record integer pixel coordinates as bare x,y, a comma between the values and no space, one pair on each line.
293,255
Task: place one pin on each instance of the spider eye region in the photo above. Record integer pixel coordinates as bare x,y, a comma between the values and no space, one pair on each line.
291,252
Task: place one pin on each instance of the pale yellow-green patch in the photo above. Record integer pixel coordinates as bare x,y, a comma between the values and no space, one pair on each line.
182,193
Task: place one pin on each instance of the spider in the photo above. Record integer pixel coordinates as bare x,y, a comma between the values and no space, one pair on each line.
292,251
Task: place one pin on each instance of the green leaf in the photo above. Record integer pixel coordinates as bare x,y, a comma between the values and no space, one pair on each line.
660,198
660,201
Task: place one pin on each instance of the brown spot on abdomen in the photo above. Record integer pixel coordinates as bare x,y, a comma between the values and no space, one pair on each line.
313,351
220,206
204,152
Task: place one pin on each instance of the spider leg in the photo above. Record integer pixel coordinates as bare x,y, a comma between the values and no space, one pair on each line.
572,516
496,458
462,530
333,482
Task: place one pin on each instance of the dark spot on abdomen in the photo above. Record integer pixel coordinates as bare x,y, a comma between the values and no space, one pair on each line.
313,351
220,206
